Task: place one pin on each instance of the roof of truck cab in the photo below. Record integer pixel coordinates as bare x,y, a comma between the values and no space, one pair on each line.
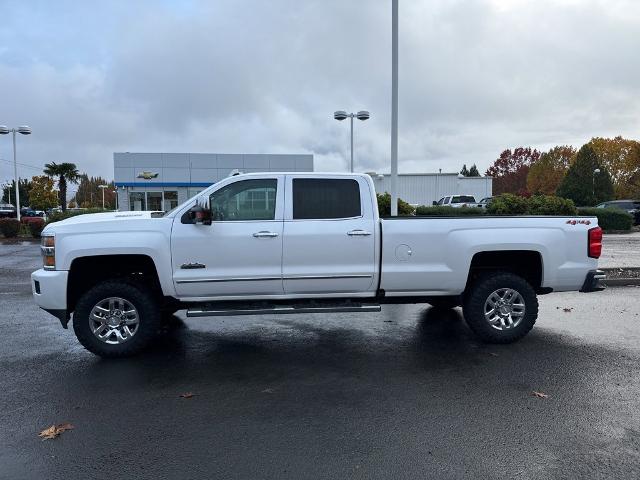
313,174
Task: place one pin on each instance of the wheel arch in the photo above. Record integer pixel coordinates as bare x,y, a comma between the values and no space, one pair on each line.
86,272
527,264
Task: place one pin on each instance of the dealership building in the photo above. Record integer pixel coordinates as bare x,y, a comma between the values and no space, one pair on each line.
161,181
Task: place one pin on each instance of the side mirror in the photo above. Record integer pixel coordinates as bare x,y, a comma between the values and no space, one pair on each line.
434,203
200,213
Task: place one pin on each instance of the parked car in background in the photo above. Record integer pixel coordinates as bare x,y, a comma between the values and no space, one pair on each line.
485,202
631,206
457,201
7,210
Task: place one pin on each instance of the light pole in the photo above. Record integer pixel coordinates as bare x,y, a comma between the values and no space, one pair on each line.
342,115
102,187
593,190
24,130
394,108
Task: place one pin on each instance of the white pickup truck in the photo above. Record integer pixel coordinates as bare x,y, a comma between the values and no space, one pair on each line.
302,243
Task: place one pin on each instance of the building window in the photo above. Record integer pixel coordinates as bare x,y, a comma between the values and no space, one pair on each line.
325,198
245,200
170,200
154,201
137,201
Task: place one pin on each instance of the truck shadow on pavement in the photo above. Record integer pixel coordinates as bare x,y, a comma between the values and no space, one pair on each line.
438,339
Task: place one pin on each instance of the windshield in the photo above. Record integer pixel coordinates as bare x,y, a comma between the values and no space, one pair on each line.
463,199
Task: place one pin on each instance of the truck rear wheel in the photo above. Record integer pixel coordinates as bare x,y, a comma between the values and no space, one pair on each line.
116,319
500,307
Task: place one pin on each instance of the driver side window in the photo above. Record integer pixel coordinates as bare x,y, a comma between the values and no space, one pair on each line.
245,200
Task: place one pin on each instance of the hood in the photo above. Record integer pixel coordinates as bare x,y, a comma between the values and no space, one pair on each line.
101,220
103,217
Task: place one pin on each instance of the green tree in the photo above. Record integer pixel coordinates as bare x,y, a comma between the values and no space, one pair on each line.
582,185
89,194
545,175
9,192
42,195
66,172
473,171
464,170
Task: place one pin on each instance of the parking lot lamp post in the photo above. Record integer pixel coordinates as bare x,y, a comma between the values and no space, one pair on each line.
102,187
342,115
593,190
24,130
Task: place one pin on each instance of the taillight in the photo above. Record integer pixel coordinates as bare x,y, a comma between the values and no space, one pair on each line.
595,242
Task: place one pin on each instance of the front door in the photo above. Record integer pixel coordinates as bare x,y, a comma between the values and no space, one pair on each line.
240,253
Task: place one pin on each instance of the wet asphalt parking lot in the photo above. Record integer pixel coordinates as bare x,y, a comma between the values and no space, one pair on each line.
405,393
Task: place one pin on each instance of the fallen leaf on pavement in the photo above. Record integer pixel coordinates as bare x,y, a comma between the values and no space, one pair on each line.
267,390
493,354
54,430
539,394
187,395
567,309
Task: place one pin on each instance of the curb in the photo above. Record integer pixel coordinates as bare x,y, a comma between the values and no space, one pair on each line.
621,281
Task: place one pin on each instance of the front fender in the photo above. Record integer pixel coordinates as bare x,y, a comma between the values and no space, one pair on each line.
156,245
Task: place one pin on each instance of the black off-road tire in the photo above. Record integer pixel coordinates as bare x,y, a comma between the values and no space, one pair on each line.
474,303
139,296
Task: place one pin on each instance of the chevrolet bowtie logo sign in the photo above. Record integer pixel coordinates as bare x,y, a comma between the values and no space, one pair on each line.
148,175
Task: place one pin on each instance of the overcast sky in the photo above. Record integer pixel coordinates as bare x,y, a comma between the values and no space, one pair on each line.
241,76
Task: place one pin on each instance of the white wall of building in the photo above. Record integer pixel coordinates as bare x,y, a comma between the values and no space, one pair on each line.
425,188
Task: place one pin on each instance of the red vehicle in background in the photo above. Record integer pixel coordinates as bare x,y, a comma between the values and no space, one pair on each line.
29,216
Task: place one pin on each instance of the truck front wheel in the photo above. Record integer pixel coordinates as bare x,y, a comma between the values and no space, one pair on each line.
500,307
116,319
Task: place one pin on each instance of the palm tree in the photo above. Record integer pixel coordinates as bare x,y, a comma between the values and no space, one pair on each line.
66,172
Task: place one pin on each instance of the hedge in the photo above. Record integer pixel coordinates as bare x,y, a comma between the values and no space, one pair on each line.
551,205
440,211
35,228
609,218
509,204
384,206
9,227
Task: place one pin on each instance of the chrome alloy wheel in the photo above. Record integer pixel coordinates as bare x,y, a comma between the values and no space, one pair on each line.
114,320
504,309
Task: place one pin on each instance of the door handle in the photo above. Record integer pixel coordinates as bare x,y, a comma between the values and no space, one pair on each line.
264,233
358,233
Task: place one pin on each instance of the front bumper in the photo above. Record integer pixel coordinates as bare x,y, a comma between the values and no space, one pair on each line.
49,288
592,281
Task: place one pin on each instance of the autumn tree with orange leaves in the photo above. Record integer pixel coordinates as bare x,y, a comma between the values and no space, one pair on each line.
547,173
621,157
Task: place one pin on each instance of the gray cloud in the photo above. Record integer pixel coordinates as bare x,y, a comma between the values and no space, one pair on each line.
476,77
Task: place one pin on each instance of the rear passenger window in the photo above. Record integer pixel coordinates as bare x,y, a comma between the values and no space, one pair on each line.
321,198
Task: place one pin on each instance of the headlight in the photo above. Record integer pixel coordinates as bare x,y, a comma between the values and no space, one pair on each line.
48,249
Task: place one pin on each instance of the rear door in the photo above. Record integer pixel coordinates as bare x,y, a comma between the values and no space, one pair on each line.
329,235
